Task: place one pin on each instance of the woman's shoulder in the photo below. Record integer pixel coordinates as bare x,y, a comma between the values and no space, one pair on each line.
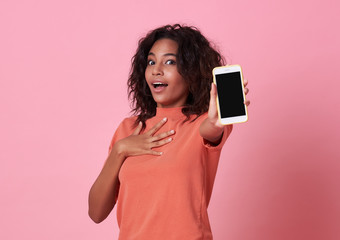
124,129
128,123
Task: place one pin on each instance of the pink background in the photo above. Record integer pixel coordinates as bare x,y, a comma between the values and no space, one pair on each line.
63,71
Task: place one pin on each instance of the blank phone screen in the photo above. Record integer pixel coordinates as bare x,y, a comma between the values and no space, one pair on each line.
230,95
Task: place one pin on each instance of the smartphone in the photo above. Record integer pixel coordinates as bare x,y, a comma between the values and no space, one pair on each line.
230,94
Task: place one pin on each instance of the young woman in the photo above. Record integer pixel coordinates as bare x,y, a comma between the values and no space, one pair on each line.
163,160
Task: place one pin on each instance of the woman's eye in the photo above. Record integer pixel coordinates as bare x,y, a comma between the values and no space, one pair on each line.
170,62
150,62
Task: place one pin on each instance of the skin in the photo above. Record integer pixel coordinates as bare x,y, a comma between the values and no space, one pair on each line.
161,68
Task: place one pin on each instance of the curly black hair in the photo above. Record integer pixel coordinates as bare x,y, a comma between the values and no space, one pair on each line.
195,60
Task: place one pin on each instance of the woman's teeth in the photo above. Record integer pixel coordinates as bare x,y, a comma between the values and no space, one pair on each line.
156,85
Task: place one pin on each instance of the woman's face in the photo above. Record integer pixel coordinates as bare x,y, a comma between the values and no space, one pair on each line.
167,86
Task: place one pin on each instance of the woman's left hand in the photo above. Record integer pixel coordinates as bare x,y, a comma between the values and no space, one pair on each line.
211,129
212,112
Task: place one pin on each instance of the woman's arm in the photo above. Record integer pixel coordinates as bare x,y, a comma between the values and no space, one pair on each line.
102,196
103,192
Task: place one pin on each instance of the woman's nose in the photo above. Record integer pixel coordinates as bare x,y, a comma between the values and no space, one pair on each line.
157,69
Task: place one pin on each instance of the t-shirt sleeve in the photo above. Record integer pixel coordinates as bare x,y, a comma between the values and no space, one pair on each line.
124,130
212,147
212,154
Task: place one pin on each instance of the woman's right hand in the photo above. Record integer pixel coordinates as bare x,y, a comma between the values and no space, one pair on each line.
141,144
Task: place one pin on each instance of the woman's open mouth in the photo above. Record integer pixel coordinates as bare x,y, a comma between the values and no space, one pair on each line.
159,85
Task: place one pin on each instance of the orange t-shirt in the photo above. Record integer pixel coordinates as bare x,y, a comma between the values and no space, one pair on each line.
166,197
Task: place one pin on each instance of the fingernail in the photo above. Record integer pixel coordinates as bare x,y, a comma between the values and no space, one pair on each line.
170,139
160,153
164,119
172,131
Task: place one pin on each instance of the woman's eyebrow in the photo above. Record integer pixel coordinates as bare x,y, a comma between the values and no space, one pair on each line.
166,54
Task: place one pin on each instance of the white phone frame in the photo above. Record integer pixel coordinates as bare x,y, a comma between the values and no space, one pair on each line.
230,69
